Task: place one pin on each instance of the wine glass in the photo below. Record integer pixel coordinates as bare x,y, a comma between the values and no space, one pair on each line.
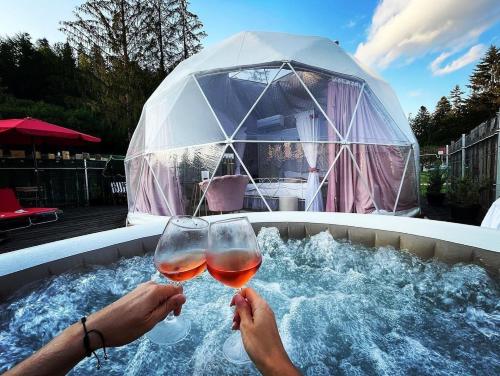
233,257
179,256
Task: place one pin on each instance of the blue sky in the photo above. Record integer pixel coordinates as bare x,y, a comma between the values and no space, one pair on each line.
421,47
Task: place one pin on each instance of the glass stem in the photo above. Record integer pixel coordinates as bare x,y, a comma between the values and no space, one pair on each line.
237,291
171,317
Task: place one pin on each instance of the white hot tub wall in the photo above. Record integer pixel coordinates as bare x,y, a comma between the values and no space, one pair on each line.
445,241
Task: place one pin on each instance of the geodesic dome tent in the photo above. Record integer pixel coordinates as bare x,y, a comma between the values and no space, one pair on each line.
310,128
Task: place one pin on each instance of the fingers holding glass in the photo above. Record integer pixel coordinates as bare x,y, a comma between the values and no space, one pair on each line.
179,256
233,258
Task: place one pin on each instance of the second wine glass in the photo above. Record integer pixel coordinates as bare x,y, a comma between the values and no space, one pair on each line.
179,256
233,258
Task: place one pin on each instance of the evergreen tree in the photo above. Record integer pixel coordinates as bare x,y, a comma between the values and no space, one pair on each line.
456,99
112,26
421,125
485,86
112,29
116,54
459,115
161,36
441,122
443,108
190,29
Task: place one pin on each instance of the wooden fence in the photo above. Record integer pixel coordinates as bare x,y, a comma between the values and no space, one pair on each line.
477,154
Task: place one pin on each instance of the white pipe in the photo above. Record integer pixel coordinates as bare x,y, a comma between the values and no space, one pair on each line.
159,187
401,183
355,110
87,195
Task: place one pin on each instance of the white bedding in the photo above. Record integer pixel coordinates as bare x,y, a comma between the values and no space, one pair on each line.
278,189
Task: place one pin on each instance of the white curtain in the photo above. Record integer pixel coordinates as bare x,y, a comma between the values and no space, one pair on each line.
308,128
240,149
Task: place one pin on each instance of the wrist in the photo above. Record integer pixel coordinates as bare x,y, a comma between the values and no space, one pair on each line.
73,340
92,323
76,333
278,364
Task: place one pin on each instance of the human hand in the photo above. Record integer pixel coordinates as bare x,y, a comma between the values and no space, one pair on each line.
256,321
134,314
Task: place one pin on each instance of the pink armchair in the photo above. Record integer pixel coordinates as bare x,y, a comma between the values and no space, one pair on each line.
225,193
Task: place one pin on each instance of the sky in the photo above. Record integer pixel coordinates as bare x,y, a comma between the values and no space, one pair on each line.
423,48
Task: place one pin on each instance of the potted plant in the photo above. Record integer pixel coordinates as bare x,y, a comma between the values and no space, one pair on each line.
464,197
436,180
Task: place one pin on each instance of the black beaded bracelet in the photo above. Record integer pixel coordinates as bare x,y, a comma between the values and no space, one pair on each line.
86,343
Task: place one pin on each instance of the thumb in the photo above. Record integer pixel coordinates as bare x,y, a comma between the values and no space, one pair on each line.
174,303
243,309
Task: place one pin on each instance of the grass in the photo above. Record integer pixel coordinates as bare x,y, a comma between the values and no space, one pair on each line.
424,181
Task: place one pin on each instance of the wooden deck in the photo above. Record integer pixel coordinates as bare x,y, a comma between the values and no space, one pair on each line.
73,222
87,220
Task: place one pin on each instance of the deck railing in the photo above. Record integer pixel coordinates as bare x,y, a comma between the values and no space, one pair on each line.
60,183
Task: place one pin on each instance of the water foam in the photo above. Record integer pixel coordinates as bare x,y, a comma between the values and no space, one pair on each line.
341,309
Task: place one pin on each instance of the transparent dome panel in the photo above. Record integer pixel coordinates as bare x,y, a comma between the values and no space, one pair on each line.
169,184
231,94
187,122
337,96
373,125
288,175
368,179
227,190
133,172
137,143
286,112
408,198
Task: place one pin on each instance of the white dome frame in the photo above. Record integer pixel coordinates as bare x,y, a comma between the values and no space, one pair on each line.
189,72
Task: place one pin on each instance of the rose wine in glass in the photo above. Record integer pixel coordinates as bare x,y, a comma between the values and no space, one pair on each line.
233,258
234,268
179,256
184,267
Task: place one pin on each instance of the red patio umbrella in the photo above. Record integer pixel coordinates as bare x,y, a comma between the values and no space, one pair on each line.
30,131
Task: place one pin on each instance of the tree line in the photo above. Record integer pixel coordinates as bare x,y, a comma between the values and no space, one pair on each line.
456,113
117,52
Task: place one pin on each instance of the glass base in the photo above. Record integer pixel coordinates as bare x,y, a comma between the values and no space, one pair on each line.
233,349
170,331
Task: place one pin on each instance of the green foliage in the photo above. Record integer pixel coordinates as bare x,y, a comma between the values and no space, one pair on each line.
118,51
436,179
456,115
466,191
421,125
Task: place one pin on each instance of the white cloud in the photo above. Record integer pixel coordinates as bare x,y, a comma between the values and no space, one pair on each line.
350,24
474,53
408,29
415,93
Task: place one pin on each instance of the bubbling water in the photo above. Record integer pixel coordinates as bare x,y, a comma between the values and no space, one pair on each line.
341,309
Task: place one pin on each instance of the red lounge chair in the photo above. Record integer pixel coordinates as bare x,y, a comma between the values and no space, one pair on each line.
10,210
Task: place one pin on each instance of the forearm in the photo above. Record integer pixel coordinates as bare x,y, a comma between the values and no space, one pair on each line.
58,357
278,365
